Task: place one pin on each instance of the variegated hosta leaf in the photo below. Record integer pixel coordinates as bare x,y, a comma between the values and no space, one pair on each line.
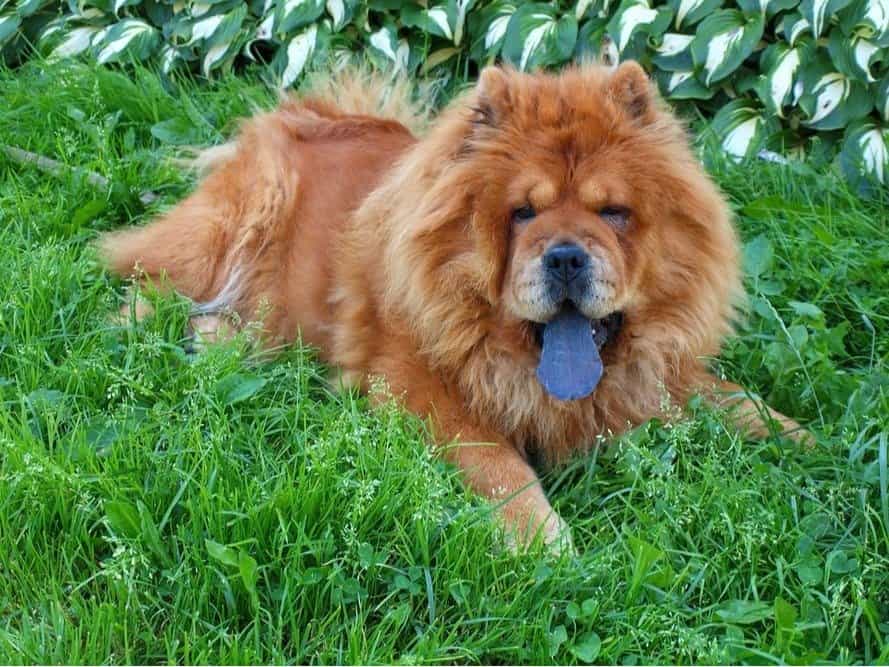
883,98
854,56
637,17
293,14
444,19
674,53
793,26
682,85
742,129
536,37
488,28
170,58
218,27
28,7
864,156
341,12
117,5
780,66
766,7
868,19
295,55
689,12
819,12
830,99
75,41
594,44
582,7
128,39
395,53
723,41
9,25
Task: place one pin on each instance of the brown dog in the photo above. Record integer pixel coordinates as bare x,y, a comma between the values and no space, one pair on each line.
547,265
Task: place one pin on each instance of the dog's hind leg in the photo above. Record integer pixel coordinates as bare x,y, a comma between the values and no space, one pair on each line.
205,247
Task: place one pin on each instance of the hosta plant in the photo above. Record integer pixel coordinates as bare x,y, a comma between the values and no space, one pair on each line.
775,77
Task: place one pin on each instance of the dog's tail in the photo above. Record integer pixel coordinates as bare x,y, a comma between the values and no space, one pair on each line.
353,87
359,88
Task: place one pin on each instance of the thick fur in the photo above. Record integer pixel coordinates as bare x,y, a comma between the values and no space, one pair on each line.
398,259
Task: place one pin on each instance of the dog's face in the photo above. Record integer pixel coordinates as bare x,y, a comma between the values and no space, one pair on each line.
567,247
573,175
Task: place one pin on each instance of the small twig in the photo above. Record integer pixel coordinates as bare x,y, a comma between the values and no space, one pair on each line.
59,170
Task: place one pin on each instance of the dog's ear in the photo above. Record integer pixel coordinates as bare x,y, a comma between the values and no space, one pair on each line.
631,90
492,95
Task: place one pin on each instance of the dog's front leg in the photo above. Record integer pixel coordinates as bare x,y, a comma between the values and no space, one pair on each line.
490,464
753,418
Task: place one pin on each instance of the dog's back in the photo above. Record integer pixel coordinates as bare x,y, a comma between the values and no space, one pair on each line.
256,237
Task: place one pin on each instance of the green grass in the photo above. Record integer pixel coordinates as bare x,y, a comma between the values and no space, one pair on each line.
157,507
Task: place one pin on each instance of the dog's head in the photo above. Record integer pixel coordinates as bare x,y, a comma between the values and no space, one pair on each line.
574,196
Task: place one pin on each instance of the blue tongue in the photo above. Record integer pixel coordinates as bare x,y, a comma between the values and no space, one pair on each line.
570,366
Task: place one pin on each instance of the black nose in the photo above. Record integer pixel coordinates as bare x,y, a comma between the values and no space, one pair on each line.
565,261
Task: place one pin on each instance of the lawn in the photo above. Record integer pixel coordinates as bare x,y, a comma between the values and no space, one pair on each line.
157,506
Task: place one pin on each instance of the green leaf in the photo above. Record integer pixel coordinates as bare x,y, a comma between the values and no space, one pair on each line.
123,518
238,387
805,309
385,43
177,131
854,56
437,20
689,12
128,39
557,637
637,17
489,28
780,66
758,255
744,612
150,534
793,25
75,42
819,12
742,128
864,156
293,14
444,19
291,60
882,97
868,19
645,555
587,648
840,563
88,212
765,7
28,7
536,37
674,52
682,85
831,100
341,12
9,25
247,570
223,554
723,41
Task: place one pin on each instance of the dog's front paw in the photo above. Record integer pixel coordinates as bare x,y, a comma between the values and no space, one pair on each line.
557,536
544,525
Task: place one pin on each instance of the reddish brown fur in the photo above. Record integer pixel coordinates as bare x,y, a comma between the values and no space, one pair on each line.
396,258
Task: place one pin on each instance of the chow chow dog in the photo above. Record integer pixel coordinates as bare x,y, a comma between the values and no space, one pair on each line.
545,265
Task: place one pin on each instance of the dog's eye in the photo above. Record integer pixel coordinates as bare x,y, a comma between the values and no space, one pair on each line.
524,214
616,216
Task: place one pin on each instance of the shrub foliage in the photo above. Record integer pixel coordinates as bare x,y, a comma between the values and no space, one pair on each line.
788,77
